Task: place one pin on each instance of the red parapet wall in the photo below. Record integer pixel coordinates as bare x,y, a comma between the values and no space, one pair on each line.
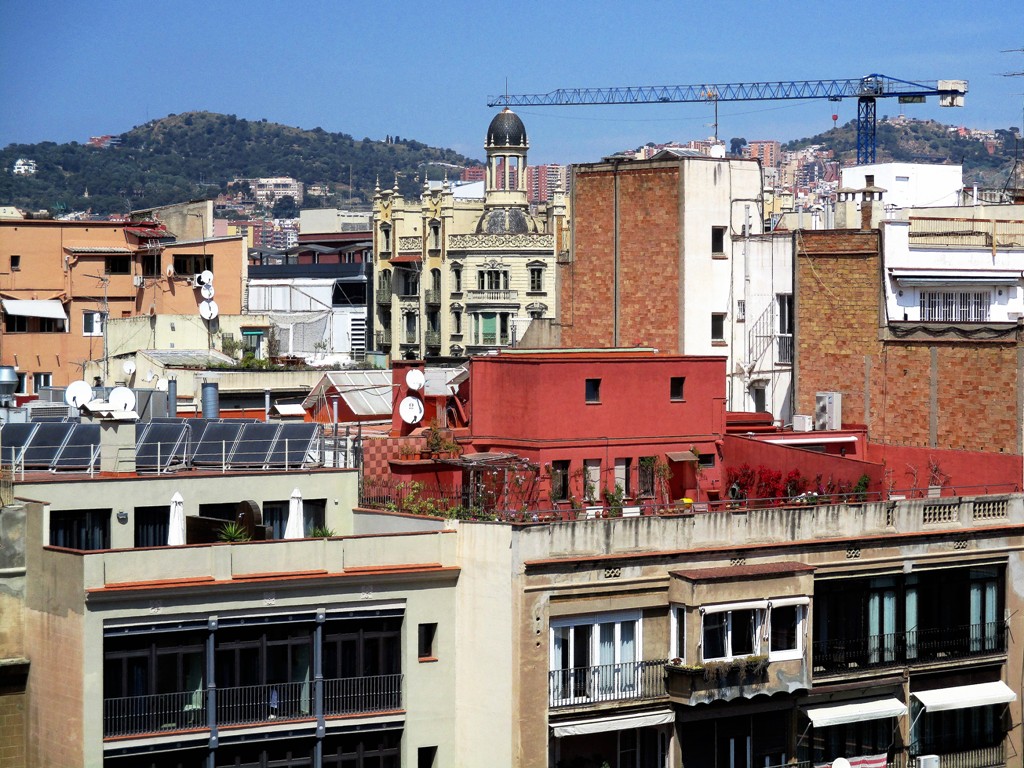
959,472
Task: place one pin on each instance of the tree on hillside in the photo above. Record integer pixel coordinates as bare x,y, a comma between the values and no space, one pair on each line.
285,208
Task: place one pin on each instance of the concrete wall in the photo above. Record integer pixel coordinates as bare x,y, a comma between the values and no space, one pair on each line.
909,184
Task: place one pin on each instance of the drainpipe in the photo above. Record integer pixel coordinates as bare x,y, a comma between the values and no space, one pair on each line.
615,258
266,405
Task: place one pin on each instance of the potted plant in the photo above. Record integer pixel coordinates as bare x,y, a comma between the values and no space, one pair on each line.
233,531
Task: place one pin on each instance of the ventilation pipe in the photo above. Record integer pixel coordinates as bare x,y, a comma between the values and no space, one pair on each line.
211,400
172,398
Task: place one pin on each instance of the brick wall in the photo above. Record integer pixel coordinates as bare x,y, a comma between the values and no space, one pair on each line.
649,231
55,695
12,730
941,391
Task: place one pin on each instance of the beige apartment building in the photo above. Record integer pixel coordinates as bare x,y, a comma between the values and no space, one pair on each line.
459,275
60,281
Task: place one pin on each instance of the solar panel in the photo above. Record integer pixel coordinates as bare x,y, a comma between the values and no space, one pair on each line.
216,443
13,439
254,443
46,443
297,445
81,450
161,445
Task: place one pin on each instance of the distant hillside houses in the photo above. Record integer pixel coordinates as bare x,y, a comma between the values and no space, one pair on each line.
23,167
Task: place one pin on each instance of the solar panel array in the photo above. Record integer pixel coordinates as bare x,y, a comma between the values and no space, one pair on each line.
166,444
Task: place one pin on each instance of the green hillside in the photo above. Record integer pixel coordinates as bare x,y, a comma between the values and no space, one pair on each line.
195,155
926,141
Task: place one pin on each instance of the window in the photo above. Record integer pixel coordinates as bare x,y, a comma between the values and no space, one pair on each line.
595,657
152,525
426,757
492,280
42,380
677,633
15,324
118,265
435,236
559,480
785,303
425,636
92,324
593,390
50,325
645,475
456,323
591,479
741,310
536,279
706,460
785,635
151,264
718,241
192,263
385,238
955,306
732,632
676,388
384,283
275,516
457,280
15,262
84,529
718,327
623,472
758,395
22,383
347,294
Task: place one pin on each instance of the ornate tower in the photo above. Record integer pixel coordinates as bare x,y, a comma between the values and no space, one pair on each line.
506,204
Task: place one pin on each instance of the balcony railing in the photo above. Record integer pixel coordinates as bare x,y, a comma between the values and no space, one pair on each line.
352,695
606,682
982,757
432,296
384,338
383,295
492,295
432,338
901,648
409,337
786,348
493,340
250,704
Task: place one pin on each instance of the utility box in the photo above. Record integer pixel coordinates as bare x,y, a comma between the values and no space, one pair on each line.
803,423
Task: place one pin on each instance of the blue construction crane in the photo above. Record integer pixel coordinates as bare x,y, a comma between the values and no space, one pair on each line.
866,90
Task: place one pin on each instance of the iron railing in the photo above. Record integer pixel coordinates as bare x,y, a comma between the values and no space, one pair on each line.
352,695
432,296
154,713
786,348
250,704
900,648
981,757
432,338
606,682
384,338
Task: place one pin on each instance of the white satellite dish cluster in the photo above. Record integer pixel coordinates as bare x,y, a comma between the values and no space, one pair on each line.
411,407
208,308
79,394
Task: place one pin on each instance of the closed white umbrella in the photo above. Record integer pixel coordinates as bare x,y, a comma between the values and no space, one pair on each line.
295,529
176,528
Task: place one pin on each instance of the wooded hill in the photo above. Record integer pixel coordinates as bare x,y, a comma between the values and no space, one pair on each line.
196,154
926,141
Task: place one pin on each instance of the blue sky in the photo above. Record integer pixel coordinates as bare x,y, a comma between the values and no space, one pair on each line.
69,70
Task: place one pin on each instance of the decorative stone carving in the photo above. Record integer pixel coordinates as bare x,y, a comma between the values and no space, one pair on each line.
410,243
502,242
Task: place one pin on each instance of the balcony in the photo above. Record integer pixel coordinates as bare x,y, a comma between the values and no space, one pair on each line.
384,338
488,296
250,705
492,340
409,337
383,296
432,296
785,348
982,757
922,646
583,686
432,338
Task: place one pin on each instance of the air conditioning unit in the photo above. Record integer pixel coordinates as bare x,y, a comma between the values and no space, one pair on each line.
44,408
927,761
138,281
195,281
828,410
803,423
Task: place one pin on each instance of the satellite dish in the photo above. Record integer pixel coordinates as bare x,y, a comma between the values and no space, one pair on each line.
208,310
414,379
78,394
128,367
170,270
206,291
122,399
150,375
840,762
206,277
411,410
161,384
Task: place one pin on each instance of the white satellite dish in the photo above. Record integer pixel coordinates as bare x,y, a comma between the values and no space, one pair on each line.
121,399
411,410
206,277
161,384
415,379
78,394
206,291
150,376
208,310
128,367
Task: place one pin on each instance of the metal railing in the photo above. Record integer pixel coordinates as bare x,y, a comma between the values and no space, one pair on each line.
917,646
786,348
432,338
432,296
249,704
982,757
154,713
606,682
384,338
352,695
384,295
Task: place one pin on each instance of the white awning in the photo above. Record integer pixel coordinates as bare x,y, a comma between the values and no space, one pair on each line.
963,696
289,409
923,277
35,308
612,723
855,712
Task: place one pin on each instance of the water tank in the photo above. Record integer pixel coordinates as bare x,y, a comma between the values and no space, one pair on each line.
211,400
8,383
